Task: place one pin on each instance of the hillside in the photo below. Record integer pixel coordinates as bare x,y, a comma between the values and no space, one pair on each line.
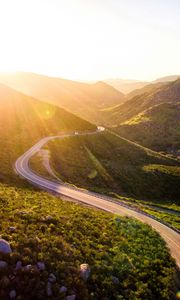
83,99
169,92
24,120
107,163
149,88
167,78
157,128
125,85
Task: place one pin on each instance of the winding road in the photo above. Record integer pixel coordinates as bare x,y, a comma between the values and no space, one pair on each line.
171,237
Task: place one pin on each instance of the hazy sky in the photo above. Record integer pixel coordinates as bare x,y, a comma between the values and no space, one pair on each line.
91,39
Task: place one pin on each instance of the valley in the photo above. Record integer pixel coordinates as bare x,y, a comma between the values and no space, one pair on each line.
46,227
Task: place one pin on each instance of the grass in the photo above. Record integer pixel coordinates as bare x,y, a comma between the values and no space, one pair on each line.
169,170
117,166
172,219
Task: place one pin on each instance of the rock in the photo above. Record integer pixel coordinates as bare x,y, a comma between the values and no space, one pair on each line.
118,219
3,264
5,247
49,289
18,265
63,289
28,267
12,228
41,266
49,218
12,294
37,239
72,297
23,213
115,280
52,278
85,271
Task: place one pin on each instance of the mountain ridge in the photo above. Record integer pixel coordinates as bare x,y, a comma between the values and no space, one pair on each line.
82,99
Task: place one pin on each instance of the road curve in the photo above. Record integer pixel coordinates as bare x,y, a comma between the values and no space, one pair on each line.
171,237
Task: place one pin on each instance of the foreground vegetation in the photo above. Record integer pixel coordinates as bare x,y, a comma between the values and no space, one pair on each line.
128,260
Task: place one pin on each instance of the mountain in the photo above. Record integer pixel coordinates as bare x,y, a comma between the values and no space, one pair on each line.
163,93
85,100
24,120
149,88
157,128
167,78
126,85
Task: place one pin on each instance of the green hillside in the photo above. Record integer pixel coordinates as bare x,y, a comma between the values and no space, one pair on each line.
107,163
152,95
83,99
157,128
24,120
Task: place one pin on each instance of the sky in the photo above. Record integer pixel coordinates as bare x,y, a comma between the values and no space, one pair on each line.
91,39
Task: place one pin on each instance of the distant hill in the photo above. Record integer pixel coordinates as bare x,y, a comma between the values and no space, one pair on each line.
169,92
149,88
157,128
83,99
126,86
167,78
24,120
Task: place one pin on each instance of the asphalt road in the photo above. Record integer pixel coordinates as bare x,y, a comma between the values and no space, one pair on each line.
171,237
